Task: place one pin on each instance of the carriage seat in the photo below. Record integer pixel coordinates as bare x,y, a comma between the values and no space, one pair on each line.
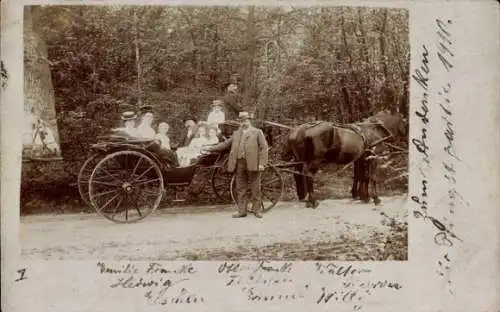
125,139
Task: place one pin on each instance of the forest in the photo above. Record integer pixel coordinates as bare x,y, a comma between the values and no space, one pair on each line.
84,63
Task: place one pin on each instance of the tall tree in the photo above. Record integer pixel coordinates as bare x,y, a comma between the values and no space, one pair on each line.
39,102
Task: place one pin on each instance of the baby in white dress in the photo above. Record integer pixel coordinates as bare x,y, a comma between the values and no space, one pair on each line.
162,135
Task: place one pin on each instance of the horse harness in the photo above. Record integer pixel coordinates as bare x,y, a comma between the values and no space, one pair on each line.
356,129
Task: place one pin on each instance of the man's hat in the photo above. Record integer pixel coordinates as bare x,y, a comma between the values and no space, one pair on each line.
191,118
217,103
129,116
244,115
146,108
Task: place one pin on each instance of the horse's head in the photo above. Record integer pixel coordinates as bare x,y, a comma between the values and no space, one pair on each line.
394,124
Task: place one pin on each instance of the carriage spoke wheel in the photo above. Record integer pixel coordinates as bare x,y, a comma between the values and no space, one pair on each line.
84,176
126,186
221,180
271,188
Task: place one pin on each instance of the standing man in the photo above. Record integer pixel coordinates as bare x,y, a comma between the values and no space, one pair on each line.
232,102
247,157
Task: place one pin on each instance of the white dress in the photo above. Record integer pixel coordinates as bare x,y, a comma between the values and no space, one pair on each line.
216,117
213,140
190,152
164,140
145,132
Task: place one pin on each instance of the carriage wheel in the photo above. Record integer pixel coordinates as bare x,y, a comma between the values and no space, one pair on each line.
221,180
84,176
271,188
126,186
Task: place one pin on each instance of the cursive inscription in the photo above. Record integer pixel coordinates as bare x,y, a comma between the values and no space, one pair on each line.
353,293
337,283
339,270
267,267
160,285
123,269
444,44
157,268
421,76
258,282
4,75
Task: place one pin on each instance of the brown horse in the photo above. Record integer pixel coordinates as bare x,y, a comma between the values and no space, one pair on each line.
319,142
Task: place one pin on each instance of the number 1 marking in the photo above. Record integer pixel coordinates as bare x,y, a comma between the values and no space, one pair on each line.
22,273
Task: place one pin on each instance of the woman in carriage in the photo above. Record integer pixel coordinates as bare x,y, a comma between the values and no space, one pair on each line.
128,128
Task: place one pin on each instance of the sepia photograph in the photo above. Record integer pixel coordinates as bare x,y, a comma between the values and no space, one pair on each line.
166,133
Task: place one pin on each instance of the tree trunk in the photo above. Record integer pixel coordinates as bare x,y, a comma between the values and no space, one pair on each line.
137,59
249,59
383,57
39,103
366,85
360,111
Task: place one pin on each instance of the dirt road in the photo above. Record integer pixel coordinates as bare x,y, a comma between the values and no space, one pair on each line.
337,230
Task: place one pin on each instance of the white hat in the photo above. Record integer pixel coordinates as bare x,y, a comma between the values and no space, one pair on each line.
129,116
244,115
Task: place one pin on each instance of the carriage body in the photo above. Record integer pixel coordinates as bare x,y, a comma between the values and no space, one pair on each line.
125,180
119,164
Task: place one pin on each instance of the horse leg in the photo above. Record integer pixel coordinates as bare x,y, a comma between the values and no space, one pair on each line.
313,202
306,184
354,188
300,184
373,165
355,180
364,173
376,199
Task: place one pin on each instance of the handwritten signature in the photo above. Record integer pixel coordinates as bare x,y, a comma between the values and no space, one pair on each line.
4,75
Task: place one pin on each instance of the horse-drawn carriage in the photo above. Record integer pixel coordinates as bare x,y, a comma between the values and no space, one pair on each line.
124,180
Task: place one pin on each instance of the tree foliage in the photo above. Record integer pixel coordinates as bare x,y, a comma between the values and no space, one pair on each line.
340,63
290,64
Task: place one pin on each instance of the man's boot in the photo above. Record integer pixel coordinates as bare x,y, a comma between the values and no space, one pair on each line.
257,214
239,215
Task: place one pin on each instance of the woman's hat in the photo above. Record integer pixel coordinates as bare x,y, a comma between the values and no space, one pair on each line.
129,116
244,116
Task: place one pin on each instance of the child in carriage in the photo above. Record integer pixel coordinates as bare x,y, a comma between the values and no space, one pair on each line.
189,153
162,135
